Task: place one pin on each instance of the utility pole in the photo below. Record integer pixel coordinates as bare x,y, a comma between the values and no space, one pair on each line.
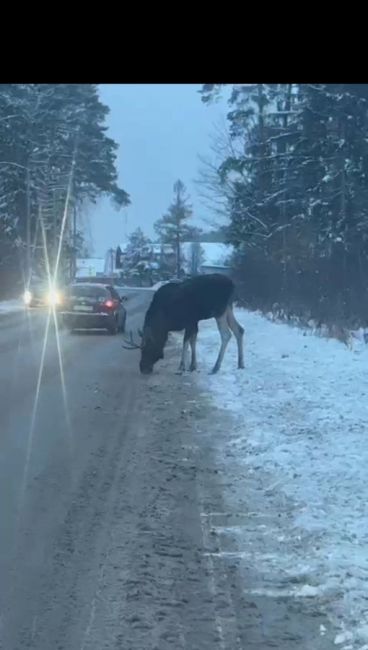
112,265
54,215
178,265
28,223
74,267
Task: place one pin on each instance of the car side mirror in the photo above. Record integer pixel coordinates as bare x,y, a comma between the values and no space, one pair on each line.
123,299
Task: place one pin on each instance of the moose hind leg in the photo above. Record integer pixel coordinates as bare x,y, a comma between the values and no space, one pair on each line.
193,344
184,353
238,332
225,338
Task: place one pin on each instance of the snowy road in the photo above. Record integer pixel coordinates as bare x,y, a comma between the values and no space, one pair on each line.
128,517
51,448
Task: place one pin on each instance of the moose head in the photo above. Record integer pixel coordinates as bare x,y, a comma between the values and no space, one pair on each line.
151,345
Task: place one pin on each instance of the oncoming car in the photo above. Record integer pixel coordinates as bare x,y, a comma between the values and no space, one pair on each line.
42,294
94,306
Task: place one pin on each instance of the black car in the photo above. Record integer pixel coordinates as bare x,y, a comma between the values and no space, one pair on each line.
94,306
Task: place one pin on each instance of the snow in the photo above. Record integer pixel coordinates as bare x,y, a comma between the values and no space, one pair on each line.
9,306
215,254
212,253
300,416
157,249
158,285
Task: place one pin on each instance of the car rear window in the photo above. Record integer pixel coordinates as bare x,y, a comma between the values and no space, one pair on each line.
88,292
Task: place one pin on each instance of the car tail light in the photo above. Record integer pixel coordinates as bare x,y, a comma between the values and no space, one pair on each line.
109,303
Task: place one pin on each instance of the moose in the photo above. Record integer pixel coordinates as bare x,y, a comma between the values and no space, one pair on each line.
179,306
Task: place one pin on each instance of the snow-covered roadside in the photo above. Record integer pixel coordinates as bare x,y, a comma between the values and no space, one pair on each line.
344,334
300,414
159,284
9,306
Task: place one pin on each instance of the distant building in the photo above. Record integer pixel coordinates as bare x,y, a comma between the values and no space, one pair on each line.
90,266
216,257
164,258
160,259
213,257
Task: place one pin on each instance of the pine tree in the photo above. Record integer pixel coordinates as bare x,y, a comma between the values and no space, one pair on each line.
138,253
173,227
53,145
296,191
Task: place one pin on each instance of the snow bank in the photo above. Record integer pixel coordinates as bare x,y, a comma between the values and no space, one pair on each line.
158,285
301,413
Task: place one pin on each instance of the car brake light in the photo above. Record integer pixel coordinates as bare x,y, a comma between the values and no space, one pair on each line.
109,303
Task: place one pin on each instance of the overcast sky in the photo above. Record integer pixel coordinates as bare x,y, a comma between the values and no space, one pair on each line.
161,129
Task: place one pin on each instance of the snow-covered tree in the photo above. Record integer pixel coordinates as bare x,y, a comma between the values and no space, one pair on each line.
138,253
173,227
294,186
54,156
